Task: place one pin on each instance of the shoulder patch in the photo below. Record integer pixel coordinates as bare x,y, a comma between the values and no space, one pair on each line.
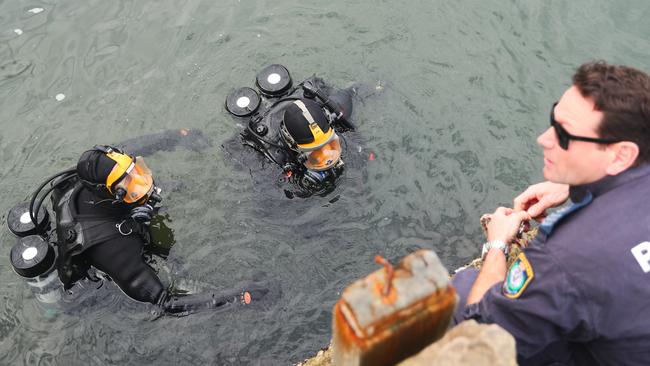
518,277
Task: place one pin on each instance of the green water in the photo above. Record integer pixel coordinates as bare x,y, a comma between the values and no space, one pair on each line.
467,88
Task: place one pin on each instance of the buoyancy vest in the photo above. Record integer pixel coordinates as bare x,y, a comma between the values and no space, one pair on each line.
76,232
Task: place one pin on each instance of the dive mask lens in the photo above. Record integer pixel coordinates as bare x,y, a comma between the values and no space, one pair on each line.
325,157
138,182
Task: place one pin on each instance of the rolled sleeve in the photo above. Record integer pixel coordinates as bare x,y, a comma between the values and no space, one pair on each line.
544,317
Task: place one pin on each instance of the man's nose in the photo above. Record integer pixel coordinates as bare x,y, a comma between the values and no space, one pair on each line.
547,139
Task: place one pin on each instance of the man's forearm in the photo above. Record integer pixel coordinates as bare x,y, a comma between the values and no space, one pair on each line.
493,271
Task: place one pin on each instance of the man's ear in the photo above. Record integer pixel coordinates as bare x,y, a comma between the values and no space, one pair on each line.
624,156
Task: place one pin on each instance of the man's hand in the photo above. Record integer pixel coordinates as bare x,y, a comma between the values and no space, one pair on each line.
505,223
539,197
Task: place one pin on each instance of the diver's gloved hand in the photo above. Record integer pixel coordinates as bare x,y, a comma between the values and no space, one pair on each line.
260,296
142,213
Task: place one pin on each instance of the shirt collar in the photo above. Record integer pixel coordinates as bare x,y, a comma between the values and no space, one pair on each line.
603,185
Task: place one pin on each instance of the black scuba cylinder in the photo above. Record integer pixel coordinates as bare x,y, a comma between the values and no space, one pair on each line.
20,222
273,80
33,259
242,102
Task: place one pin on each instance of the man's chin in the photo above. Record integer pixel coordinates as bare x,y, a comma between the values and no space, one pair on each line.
547,173
553,178
549,176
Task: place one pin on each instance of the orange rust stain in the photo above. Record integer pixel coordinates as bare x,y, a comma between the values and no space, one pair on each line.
343,329
389,273
379,288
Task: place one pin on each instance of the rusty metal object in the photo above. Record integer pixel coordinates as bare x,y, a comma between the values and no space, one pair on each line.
391,315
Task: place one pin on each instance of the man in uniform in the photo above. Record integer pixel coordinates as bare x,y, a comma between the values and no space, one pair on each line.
580,292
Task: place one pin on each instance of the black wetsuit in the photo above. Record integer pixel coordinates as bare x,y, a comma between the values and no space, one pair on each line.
121,258
93,231
96,236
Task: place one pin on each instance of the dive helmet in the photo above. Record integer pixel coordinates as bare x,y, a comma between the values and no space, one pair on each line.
306,129
111,171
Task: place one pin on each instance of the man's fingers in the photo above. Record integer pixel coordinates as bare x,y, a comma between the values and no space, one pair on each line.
536,209
526,198
521,201
501,211
544,203
522,215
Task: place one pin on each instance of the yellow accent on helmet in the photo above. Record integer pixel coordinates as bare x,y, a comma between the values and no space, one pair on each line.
320,137
122,164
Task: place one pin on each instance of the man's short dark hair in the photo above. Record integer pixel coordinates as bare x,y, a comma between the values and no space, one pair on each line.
623,94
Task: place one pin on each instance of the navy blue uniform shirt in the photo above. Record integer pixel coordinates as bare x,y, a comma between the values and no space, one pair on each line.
580,293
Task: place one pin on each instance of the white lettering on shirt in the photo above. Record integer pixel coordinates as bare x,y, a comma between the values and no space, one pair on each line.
641,253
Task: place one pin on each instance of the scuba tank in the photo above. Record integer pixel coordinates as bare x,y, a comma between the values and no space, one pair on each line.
33,258
275,85
20,222
273,80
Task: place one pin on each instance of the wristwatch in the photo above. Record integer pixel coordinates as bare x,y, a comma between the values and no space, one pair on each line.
500,244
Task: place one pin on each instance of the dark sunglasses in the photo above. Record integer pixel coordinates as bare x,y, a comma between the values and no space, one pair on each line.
564,137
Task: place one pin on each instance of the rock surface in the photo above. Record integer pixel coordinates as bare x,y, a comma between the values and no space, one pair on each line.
322,358
469,343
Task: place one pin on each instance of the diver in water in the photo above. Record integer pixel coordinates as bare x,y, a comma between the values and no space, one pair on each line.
103,209
297,128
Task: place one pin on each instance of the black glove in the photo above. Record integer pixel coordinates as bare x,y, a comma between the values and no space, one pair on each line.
142,213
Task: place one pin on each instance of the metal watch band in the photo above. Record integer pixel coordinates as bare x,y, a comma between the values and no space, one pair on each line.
499,244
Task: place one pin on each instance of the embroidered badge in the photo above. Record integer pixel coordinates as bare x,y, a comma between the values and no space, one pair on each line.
518,277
